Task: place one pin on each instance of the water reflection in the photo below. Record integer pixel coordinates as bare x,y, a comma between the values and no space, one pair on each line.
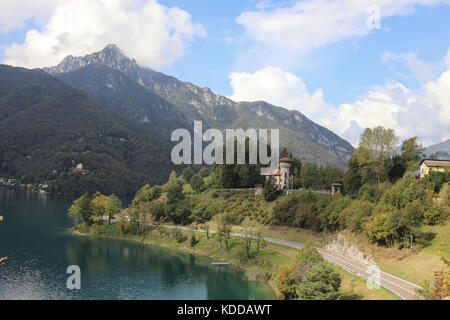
39,247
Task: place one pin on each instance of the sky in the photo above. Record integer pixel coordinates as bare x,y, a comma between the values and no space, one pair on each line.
347,65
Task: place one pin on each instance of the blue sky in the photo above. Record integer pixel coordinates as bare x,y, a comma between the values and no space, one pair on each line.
316,57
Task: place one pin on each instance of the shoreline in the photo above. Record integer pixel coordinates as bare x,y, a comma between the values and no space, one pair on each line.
165,244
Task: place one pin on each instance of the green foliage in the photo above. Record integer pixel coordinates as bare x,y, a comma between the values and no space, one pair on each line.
187,174
203,212
320,283
178,235
356,215
224,231
287,283
179,213
309,278
412,153
197,183
434,180
375,146
81,209
47,128
204,172
146,194
404,191
330,214
158,211
270,192
378,228
174,190
352,178
319,177
297,211
307,256
102,205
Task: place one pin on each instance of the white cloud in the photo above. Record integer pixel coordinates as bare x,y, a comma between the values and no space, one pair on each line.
151,33
274,85
439,94
315,23
422,71
13,15
426,115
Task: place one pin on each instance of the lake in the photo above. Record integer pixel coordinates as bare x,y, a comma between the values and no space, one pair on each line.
35,236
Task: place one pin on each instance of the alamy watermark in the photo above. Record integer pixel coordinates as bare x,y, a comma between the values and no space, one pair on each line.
213,152
74,280
374,279
374,19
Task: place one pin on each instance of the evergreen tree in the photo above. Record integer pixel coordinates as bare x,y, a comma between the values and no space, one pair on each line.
270,192
197,183
187,174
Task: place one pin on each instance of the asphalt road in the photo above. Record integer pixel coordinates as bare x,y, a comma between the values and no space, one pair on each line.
398,286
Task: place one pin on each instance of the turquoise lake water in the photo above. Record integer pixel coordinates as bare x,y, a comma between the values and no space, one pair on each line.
35,236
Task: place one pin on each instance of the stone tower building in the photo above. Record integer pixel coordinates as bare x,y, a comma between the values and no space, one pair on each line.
284,179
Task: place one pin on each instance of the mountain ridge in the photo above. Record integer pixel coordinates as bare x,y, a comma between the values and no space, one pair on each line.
47,128
306,139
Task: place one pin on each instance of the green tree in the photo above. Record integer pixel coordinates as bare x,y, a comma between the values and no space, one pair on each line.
412,219
113,207
204,172
81,209
378,228
320,283
197,183
174,190
412,153
352,178
224,232
270,191
187,174
158,211
375,147
146,195
309,174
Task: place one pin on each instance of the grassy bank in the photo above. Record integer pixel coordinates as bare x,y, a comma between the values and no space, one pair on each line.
260,266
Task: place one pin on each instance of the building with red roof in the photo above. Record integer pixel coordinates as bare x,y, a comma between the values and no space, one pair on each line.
283,178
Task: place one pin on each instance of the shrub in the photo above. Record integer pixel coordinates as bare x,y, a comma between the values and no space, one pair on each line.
329,215
434,215
286,283
378,228
354,216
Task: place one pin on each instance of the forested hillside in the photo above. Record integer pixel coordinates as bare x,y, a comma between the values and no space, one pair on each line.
48,128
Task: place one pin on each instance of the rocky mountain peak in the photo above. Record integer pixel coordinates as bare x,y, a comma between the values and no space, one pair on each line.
111,56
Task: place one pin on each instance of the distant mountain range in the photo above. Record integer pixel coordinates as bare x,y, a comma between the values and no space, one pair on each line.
439,150
115,118
108,74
